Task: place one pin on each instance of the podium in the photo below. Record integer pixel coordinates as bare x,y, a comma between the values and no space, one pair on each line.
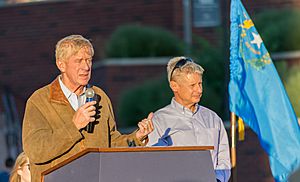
137,164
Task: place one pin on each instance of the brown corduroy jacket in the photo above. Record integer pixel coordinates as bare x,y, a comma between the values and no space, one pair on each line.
49,135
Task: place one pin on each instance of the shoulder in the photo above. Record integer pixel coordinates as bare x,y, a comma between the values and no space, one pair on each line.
100,92
167,110
103,96
40,93
206,110
209,114
163,116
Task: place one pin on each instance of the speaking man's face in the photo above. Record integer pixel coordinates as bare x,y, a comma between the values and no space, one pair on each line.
76,70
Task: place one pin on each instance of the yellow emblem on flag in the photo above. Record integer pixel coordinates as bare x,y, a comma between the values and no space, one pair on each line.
247,24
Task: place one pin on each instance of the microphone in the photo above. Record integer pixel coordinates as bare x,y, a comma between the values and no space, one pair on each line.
89,93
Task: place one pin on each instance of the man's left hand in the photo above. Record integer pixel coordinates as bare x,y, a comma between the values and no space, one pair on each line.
145,127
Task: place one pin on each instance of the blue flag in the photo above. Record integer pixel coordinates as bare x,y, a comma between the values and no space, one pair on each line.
257,95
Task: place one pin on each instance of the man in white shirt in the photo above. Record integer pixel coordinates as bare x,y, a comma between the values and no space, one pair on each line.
185,123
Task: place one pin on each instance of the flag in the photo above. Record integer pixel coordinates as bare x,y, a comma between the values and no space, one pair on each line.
257,95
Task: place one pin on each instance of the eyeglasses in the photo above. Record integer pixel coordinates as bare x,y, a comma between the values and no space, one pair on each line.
180,63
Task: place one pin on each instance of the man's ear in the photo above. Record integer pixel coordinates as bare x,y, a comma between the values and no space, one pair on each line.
61,65
174,86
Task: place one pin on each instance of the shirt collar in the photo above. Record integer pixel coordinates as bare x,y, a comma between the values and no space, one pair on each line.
183,109
65,89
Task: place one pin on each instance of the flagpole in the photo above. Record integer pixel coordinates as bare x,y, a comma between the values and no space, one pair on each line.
233,146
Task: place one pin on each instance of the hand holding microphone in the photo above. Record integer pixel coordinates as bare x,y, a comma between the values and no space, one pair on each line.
90,93
85,114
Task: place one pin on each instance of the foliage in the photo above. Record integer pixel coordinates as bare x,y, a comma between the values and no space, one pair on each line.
292,86
282,69
291,80
136,103
142,41
279,29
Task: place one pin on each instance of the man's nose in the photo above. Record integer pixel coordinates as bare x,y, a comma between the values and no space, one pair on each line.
86,65
198,88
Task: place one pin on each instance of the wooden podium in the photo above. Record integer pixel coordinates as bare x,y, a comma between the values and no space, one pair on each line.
138,164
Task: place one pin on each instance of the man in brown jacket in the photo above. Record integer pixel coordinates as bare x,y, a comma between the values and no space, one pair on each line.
56,115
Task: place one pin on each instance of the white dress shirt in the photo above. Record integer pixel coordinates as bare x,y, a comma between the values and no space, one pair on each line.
74,100
175,125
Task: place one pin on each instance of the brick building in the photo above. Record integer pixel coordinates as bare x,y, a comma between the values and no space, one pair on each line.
29,32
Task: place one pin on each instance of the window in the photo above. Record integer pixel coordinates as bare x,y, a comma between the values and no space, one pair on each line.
206,13
11,2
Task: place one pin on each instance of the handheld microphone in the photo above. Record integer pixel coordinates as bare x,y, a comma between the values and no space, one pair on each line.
89,93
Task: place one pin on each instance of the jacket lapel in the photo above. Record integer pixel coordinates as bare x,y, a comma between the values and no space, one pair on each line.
56,94
60,102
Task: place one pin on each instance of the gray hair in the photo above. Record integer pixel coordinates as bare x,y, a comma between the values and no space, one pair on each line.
189,67
70,45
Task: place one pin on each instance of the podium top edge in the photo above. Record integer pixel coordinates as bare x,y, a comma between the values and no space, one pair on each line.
150,149
126,149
